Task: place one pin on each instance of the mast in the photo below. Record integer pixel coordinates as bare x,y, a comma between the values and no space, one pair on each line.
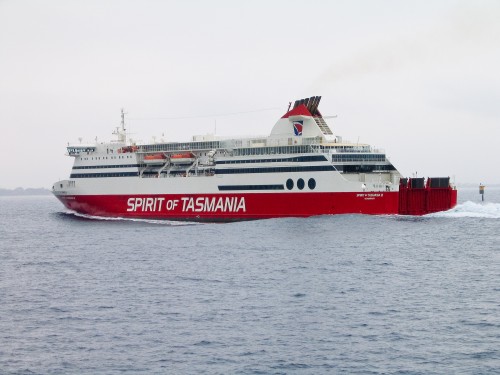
123,121
121,134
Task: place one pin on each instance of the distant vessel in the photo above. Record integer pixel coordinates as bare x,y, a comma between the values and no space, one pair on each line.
301,169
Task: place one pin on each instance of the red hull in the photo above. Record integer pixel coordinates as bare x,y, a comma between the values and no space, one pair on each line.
229,207
425,199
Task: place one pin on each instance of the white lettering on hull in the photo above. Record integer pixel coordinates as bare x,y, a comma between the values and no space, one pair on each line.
188,204
214,204
370,196
144,204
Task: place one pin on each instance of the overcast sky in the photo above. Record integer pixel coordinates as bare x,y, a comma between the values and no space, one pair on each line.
419,79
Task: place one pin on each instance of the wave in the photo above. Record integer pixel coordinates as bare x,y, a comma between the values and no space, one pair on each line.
464,210
118,219
472,209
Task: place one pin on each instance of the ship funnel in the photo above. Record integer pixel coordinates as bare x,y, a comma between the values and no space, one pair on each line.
311,104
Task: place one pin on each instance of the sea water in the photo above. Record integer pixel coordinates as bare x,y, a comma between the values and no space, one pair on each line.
331,294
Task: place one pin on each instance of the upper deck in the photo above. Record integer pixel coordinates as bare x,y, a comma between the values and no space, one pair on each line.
294,140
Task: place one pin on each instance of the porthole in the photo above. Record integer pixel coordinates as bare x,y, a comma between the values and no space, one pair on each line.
311,183
289,184
300,184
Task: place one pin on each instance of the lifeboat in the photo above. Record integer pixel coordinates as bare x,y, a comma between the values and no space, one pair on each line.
126,149
155,159
182,158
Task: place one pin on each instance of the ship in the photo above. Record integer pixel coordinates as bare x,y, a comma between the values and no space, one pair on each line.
300,169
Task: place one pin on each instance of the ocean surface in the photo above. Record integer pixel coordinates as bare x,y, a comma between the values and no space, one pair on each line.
348,294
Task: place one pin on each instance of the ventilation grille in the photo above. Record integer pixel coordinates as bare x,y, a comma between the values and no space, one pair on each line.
325,129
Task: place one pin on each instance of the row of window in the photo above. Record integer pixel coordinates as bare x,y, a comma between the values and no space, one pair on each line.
358,157
299,149
77,150
311,183
209,145
94,175
110,166
285,160
365,168
108,157
319,168
225,171
357,148
311,158
173,171
312,168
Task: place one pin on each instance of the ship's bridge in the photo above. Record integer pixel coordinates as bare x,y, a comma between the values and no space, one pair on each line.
75,150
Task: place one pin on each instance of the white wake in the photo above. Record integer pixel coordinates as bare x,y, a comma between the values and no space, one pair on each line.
147,221
472,209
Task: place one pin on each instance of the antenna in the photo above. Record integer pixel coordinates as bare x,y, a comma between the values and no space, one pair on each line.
123,120
121,134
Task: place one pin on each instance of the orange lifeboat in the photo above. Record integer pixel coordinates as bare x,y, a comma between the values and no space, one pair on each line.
182,158
125,149
155,159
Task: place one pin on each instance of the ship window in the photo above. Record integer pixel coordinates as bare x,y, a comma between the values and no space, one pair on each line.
300,184
289,184
311,183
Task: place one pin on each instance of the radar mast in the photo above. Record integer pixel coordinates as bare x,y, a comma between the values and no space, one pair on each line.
121,134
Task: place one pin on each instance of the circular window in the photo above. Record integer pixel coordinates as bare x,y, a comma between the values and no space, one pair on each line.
311,183
300,184
289,184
